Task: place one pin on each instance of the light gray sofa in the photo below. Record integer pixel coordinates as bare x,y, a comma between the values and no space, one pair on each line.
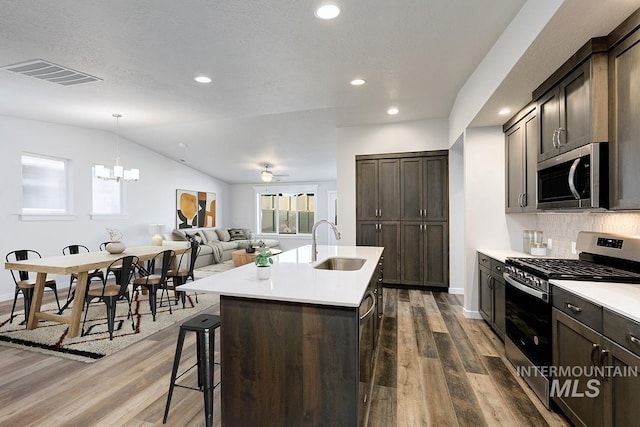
216,244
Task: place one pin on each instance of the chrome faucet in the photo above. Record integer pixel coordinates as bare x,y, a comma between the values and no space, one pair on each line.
314,250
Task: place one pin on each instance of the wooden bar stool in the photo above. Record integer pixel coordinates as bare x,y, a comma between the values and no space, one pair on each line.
204,325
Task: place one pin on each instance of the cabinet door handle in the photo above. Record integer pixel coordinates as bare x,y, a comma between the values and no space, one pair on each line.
489,281
595,349
524,200
572,307
553,138
634,339
560,130
604,361
420,212
379,212
373,306
424,212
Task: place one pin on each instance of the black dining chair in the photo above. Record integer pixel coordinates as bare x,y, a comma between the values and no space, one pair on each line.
155,278
110,293
95,274
25,284
181,274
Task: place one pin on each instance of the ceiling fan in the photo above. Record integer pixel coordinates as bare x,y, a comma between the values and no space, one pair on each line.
266,175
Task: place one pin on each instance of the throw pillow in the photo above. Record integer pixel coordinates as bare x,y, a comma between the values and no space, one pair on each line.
179,236
237,234
223,234
210,235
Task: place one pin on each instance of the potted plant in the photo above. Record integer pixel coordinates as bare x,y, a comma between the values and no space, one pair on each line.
115,245
263,262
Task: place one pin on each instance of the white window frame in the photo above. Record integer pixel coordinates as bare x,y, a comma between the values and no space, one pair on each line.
123,208
282,189
34,214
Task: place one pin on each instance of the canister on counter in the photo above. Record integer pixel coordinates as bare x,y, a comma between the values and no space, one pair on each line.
527,238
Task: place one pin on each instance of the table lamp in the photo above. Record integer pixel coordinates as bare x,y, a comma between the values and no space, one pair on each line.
157,230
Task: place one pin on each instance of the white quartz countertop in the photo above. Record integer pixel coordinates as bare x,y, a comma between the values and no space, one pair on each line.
502,254
294,279
622,298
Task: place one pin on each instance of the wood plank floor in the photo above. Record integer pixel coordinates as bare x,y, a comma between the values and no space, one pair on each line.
434,367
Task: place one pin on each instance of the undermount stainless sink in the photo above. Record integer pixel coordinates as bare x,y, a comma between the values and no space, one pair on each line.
341,264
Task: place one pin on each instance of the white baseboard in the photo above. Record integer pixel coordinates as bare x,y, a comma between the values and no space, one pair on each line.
471,314
456,291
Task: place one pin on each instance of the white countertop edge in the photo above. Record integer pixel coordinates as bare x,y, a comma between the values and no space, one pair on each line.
621,298
293,279
502,254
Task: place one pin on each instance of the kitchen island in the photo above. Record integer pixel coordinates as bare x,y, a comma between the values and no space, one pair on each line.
292,346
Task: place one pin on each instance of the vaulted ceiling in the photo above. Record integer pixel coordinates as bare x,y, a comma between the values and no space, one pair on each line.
280,76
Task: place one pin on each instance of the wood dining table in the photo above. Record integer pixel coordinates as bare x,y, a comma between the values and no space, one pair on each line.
81,265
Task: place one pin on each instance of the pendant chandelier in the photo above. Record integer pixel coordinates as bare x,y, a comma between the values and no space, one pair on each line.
117,173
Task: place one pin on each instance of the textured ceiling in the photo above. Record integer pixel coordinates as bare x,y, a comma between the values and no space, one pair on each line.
280,76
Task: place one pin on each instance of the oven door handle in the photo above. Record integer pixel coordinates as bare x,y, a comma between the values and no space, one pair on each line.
572,179
527,290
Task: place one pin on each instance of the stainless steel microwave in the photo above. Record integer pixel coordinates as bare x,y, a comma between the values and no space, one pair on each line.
577,179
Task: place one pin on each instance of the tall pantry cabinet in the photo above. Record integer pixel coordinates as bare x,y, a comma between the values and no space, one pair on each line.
402,204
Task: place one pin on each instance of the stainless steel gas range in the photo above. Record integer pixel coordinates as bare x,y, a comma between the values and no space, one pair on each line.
603,257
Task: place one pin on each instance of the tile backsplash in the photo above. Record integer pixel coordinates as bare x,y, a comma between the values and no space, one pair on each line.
563,228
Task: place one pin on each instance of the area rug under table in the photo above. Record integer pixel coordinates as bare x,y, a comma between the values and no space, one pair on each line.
51,337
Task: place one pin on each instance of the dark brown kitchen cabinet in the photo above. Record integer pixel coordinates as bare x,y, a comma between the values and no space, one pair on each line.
606,396
423,188
575,344
416,189
624,136
491,293
572,103
521,144
297,364
387,235
377,189
425,259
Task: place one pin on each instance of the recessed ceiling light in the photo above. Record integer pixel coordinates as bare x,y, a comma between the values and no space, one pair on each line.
327,11
393,111
202,79
504,111
357,82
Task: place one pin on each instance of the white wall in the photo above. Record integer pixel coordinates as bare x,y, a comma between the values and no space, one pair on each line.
456,217
150,200
485,223
498,62
424,135
245,214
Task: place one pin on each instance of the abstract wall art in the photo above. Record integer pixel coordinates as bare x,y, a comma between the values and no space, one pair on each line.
195,209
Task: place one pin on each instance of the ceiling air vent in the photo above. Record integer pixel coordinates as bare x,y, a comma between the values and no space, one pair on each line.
50,72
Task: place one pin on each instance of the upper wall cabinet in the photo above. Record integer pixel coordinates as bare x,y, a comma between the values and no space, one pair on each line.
572,103
377,189
423,188
624,136
521,145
